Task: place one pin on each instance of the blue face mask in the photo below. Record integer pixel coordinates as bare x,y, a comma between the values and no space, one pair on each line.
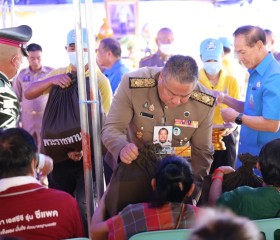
212,68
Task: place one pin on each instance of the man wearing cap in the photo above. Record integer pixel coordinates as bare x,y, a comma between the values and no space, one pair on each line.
164,41
215,77
258,115
12,51
68,174
32,110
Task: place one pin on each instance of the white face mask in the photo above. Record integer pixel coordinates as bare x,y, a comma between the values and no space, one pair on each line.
212,68
167,49
73,58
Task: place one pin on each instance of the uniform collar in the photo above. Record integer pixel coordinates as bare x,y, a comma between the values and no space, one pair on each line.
5,76
263,65
115,66
69,70
6,183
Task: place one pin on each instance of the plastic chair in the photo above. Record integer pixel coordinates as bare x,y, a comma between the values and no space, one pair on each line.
176,234
269,227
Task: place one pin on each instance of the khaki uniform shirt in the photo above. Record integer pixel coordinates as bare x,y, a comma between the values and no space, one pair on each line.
31,110
131,113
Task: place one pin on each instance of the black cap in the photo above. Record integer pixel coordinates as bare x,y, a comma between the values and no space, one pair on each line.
16,36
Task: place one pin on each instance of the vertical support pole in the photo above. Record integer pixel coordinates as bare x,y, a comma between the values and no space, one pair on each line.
89,195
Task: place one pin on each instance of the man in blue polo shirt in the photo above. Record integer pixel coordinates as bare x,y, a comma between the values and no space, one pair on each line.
109,59
259,115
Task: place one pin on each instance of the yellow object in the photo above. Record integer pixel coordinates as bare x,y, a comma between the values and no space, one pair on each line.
183,151
105,30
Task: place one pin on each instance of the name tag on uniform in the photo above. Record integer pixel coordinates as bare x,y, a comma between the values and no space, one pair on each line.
186,123
8,103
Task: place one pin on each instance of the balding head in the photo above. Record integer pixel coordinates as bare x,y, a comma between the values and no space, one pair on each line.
10,60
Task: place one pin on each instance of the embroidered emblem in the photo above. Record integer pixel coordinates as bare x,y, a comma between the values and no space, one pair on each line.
151,108
142,82
139,134
203,98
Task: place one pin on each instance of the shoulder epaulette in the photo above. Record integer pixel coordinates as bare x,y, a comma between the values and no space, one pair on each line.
135,82
204,98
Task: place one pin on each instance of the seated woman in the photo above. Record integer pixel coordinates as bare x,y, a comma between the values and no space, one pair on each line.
172,183
254,203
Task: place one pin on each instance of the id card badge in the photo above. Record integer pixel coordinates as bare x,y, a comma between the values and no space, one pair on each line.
163,135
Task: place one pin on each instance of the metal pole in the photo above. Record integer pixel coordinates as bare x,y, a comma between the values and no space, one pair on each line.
4,13
95,111
84,114
12,12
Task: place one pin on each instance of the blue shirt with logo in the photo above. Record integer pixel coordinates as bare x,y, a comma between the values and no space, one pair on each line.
262,99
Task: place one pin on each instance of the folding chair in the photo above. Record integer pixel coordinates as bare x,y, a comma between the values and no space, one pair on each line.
269,227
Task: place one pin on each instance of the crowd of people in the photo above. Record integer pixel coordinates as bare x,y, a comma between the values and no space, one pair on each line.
167,102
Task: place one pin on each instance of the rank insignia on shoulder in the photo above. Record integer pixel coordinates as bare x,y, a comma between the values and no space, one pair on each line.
142,82
204,98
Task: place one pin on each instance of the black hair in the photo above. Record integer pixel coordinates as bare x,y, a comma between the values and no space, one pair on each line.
182,68
269,161
17,150
162,129
171,171
32,47
252,34
226,50
112,45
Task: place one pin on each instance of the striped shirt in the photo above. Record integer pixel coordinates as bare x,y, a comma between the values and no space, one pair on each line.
9,105
136,218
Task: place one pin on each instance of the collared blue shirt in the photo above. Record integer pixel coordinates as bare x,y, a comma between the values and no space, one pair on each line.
262,99
115,73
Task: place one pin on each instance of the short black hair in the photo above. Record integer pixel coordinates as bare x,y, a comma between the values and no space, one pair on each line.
32,47
269,161
17,150
252,34
182,68
112,45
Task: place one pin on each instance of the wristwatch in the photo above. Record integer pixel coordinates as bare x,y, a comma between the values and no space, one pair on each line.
238,119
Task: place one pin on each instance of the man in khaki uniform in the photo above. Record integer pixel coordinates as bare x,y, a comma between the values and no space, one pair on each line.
32,110
164,41
169,96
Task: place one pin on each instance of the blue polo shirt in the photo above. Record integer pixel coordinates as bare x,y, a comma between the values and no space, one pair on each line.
262,99
115,73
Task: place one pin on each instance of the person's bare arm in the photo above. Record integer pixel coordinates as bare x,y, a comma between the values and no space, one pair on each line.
98,227
258,123
237,105
217,183
37,88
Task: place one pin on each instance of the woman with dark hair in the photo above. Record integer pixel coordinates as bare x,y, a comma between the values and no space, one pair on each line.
254,203
173,182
